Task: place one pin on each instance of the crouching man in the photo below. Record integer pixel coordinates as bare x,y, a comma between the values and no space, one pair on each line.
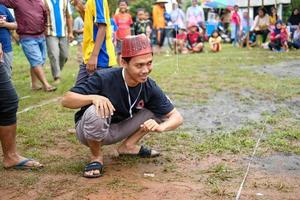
121,104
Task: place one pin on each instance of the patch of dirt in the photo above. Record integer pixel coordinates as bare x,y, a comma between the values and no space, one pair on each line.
279,163
281,70
226,112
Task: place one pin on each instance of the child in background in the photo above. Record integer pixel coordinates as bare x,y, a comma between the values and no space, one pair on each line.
142,26
123,20
180,41
279,37
215,41
195,39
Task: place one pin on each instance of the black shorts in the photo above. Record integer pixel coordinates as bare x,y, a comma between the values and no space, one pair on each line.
8,99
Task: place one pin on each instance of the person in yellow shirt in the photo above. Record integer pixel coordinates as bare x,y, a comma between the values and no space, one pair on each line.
215,42
159,22
273,17
98,49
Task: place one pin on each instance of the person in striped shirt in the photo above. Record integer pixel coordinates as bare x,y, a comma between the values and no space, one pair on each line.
59,33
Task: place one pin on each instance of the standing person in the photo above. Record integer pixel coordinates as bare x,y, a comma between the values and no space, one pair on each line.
31,18
226,18
98,48
215,42
261,24
135,108
195,15
159,22
59,19
142,26
123,20
7,23
235,26
78,30
178,17
8,124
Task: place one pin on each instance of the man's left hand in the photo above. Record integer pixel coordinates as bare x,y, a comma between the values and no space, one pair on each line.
70,37
152,126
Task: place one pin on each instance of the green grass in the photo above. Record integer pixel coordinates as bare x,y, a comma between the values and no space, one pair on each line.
42,132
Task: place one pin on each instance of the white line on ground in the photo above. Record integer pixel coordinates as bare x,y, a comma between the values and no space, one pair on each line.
25,97
250,161
39,105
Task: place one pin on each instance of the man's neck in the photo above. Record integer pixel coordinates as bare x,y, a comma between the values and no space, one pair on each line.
128,80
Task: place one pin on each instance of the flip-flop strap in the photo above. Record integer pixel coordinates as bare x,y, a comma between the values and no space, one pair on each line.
144,152
94,166
23,163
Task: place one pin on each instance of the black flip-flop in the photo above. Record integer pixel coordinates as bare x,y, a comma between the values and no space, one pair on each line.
93,166
143,153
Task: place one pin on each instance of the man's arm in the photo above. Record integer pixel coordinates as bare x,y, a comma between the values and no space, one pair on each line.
8,25
74,101
92,63
70,27
174,120
1,52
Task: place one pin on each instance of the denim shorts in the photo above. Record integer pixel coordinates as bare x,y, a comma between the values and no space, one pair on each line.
34,50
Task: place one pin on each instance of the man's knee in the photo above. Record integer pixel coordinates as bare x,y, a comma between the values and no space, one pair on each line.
92,126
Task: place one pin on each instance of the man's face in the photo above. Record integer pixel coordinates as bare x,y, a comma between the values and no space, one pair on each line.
141,15
139,67
195,2
123,7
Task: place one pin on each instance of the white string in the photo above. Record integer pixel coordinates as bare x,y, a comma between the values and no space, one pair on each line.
39,105
249,164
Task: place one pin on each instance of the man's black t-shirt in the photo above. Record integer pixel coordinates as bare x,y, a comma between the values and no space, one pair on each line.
110,83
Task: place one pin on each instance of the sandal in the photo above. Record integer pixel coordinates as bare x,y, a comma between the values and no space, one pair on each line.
93,166
50,89
22,165
143,153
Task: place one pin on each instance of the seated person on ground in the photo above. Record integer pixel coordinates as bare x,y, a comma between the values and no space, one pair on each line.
180,41
215,41
279,37
195,39
296,38
121,104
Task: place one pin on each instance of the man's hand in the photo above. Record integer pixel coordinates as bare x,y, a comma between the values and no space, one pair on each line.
70,37
75,2
152,126
2,22
91,66
104,107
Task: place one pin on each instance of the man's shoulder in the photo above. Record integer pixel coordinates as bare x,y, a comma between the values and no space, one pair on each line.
109,72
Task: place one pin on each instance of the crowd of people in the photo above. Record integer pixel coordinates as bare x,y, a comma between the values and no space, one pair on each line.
116,104
120,104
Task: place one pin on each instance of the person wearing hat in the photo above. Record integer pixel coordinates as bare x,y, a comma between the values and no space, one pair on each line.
159,22
121,104
195,39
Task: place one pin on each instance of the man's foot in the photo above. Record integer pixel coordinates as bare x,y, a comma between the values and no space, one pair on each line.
36,88
50,88
56,81
93,170
141,151
18,162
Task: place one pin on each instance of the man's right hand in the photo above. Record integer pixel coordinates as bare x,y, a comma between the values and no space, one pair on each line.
104,107
91,65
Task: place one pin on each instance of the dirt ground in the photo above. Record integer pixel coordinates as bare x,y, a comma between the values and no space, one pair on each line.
183,176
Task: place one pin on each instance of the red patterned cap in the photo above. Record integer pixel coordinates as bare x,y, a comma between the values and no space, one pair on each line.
136,46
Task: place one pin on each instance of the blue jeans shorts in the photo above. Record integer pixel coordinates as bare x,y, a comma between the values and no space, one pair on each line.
34,50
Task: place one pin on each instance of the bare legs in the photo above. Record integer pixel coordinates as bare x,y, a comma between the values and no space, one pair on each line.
37,74
8,142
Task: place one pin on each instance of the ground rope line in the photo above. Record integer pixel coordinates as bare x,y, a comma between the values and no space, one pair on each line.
39,105
250,161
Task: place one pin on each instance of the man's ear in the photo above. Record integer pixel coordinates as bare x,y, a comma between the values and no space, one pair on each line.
124,64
